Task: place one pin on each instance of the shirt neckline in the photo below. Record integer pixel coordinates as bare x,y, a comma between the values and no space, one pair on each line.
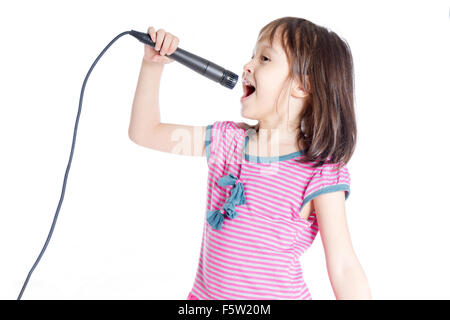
261,159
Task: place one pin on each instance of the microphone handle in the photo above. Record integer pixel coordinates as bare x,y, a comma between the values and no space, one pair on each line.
198,64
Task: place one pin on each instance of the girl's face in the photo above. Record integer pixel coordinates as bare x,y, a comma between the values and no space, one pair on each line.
267,71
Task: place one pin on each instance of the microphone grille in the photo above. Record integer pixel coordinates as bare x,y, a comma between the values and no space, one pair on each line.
229,79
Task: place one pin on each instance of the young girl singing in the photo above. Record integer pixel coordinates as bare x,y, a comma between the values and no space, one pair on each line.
273,186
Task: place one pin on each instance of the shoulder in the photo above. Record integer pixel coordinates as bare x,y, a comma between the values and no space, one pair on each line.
228,123
229,127
236,126
224,132
327,178
329,169
333,169
242,125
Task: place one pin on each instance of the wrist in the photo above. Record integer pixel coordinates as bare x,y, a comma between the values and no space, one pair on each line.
151,63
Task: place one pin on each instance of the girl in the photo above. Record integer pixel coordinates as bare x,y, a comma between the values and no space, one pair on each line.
272,186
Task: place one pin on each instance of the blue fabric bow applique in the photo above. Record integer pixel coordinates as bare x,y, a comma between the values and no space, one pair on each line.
237,197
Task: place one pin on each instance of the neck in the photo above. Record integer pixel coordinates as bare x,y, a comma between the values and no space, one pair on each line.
273,140
276,133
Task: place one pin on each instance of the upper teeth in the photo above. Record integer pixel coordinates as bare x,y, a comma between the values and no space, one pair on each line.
247,83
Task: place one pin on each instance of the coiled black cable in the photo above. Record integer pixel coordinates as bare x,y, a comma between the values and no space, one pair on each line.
68,165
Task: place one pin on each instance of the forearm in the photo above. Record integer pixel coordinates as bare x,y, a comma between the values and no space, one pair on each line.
351,284
145,113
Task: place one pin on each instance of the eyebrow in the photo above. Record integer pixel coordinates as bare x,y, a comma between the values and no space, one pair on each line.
268,47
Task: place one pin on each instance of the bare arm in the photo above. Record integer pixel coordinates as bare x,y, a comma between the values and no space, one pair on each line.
145,127
344,270
145,114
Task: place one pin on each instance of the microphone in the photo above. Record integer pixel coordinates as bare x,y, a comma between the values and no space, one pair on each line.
206,68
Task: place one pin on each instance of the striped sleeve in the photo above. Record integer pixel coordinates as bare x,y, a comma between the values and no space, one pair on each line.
219,141
327,178
208,141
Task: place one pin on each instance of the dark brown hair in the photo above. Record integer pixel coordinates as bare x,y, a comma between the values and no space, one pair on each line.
327,127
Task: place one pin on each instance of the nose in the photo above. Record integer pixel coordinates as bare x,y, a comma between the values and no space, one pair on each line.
247,70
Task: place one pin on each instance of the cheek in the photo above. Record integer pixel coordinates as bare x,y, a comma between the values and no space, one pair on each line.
267,97
268,89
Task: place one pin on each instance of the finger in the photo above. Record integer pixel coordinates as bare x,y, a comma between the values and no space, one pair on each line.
166,44
173,46
151,31
159,38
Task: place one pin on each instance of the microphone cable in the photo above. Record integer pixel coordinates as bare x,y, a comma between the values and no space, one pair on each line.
198,64
68,165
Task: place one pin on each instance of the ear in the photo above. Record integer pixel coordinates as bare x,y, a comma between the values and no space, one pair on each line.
297,89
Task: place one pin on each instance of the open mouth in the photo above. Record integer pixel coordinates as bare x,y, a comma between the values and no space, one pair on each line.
248,90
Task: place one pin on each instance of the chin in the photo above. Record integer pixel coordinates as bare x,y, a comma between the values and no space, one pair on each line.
246,114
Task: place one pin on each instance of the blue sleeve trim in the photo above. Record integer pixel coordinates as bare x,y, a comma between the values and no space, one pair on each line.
208,141
336,187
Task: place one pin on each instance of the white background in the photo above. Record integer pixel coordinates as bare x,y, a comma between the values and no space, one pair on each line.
131,220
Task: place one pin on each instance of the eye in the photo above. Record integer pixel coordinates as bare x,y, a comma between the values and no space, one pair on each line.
262,57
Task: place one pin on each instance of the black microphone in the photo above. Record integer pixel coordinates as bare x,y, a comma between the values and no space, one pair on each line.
204,67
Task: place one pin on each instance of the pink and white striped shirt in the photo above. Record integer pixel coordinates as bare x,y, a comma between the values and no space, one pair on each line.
255,254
